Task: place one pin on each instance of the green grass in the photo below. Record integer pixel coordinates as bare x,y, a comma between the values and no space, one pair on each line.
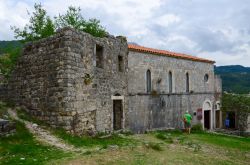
241,143
82,141
22,148
86,141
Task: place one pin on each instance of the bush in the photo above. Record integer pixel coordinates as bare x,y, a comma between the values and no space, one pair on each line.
154,146
164,137
197,128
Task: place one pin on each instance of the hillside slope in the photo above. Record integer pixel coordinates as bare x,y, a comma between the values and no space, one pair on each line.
235,78
6,46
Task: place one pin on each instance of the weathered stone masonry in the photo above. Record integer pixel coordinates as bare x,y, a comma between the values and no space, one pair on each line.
161,108
86,84
58,81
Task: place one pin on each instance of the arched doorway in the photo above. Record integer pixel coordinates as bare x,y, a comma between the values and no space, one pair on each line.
207,113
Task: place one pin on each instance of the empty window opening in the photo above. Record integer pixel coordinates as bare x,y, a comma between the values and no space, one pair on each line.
170,85
99,56
187,82
148,79
120,64
206,78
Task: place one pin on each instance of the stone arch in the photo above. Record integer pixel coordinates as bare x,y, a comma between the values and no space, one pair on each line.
217,115
207,114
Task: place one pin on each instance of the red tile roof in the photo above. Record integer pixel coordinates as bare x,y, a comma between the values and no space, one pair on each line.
138,48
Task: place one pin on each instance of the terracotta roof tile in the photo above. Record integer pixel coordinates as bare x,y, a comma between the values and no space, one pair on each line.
167,53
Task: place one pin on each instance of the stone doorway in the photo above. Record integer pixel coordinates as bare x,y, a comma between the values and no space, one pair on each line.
207,116
231,116
117,114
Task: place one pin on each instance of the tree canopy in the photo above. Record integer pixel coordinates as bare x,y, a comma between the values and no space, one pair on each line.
41,25
235,102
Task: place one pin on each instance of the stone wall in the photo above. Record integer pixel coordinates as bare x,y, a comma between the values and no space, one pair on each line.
147,112
57,80
160,108
3,91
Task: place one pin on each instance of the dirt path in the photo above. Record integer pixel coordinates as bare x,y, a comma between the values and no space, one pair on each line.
43,135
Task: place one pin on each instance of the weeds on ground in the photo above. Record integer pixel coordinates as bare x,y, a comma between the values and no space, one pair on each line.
99,140
196,146
165,137
153,145
21,148
102,139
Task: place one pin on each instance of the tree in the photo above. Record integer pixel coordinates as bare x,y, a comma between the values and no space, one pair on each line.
40,26
8,59
238,103
74,19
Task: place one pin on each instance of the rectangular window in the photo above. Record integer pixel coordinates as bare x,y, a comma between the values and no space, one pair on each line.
99,56
120,64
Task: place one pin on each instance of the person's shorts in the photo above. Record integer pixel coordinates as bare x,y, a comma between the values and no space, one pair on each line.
187,125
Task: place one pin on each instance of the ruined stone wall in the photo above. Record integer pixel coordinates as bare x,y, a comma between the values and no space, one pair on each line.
40,79
3,91
3,88
50,80
161,109
92,86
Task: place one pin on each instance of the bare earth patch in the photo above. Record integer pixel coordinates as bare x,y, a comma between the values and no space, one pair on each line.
43,135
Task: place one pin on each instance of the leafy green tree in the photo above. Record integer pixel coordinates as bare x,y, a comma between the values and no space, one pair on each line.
238,103
74,19
40,26
93,27
8,59
235,102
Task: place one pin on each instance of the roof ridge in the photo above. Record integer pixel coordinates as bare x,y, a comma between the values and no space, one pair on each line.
167,53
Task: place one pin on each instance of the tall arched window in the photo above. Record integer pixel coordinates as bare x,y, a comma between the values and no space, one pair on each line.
148,81
170,85
187,82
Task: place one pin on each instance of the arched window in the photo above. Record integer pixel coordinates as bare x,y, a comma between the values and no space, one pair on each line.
148,81
187,82
170,85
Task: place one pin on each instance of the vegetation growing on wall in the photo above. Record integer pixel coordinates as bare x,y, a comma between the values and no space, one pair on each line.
238,103
10,53
41,25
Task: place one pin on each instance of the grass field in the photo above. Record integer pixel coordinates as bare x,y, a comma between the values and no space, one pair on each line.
175,148
155,148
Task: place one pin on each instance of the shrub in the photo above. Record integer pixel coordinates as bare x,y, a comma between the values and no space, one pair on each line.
164,137
154,146
197,128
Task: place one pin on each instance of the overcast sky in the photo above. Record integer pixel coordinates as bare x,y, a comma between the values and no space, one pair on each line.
215,29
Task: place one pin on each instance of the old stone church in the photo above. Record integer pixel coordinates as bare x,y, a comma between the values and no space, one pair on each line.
83,83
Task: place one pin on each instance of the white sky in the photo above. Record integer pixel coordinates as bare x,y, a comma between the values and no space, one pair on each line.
215,29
